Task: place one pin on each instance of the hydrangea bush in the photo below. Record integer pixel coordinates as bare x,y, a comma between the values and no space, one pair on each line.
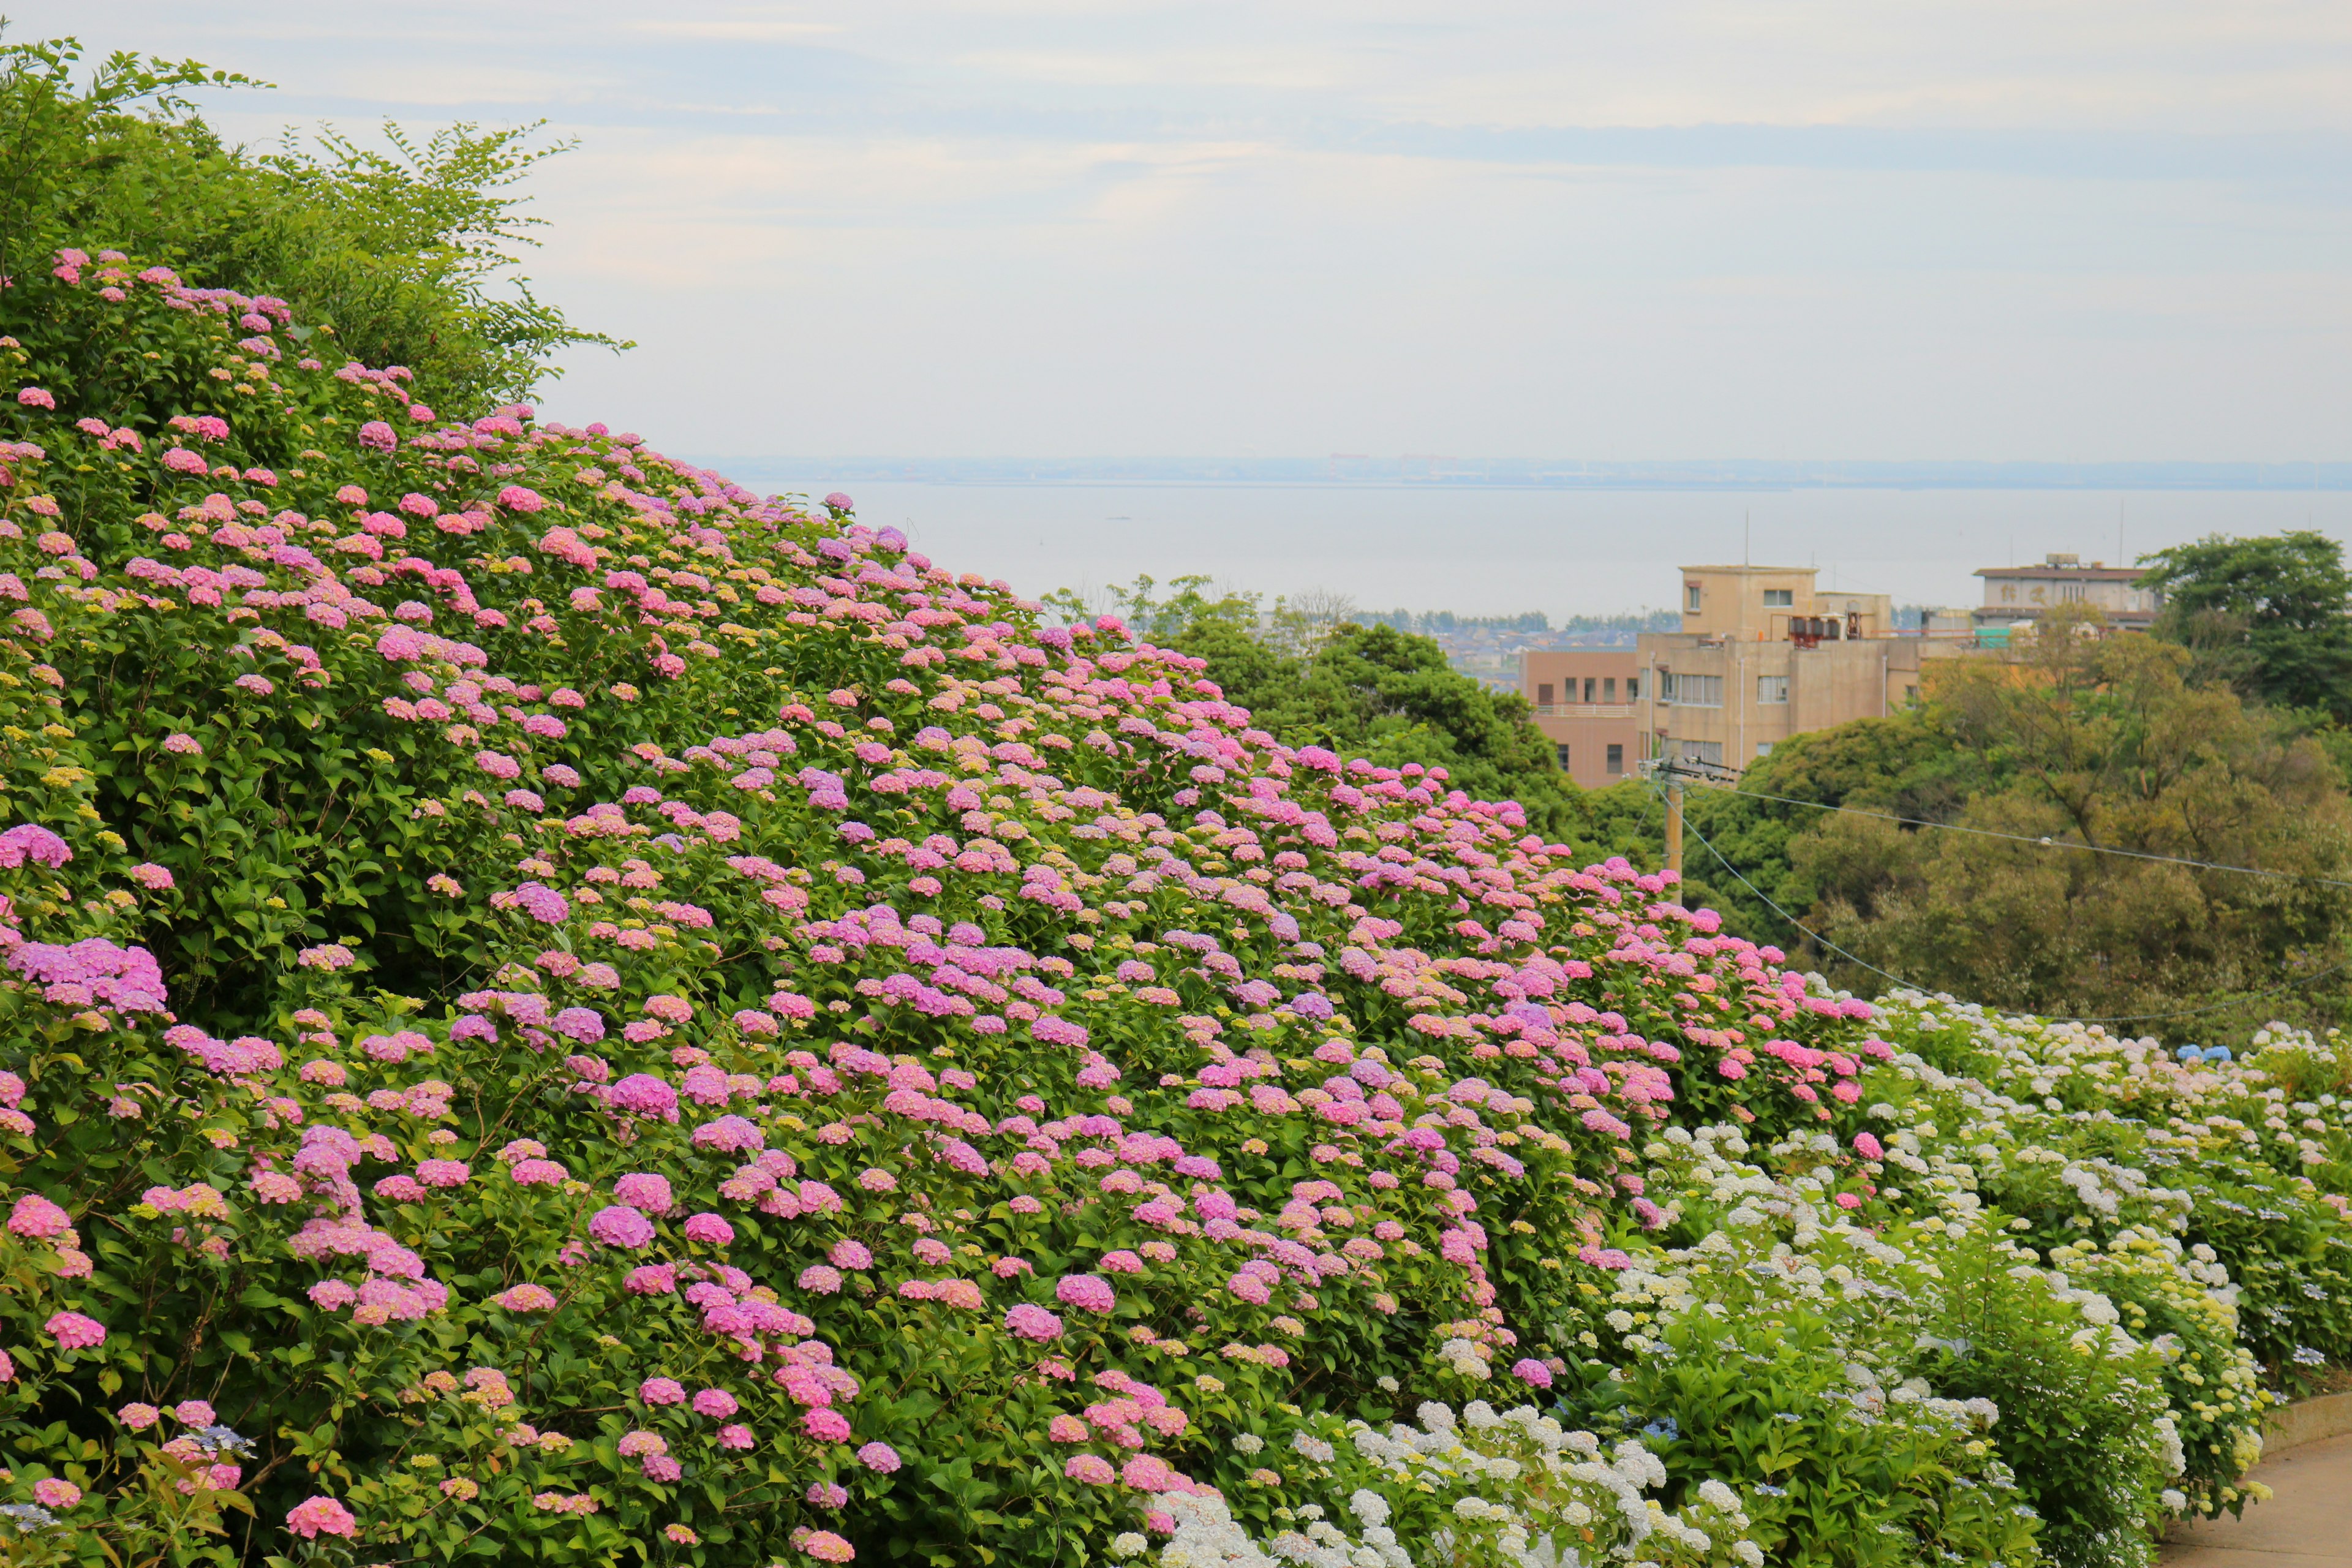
557,1010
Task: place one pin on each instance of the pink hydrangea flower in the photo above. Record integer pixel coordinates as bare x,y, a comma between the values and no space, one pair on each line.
1030,1321
526,1298
74,1331
645,1191
716,1403
879,1457
317,1516
737,1436
1092,1469
620,1226
661,1391
37,1217
709,1229
1087,1292
825,1424
652,1279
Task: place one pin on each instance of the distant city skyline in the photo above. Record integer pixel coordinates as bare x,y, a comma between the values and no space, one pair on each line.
1479,549
2115,230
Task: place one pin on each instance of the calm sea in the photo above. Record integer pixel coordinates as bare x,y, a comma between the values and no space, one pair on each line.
1492,550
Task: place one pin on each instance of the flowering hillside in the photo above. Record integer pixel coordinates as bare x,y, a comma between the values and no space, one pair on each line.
560,1011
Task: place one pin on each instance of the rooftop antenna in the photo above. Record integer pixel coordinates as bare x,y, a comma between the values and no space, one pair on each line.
1747,535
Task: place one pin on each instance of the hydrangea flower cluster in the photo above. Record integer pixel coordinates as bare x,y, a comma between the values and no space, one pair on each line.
774,1019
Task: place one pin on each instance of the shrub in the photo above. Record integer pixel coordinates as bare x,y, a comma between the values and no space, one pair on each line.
395,252
557,1009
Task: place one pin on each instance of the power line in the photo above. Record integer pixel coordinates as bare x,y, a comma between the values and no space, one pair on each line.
1911,985
2045,841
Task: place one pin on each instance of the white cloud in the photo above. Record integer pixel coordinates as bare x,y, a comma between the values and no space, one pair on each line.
1981,227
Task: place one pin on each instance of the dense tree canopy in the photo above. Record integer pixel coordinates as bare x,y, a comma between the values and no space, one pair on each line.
2071,741
2271,616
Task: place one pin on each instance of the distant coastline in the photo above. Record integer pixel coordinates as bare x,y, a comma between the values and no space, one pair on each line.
1414,472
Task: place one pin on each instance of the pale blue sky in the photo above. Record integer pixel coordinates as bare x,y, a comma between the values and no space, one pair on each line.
1638,230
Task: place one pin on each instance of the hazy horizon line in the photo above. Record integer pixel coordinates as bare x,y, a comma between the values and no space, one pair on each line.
1437,471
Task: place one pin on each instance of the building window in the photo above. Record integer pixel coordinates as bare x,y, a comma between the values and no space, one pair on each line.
1588,689
2070,592
1780,598
2009,592
1690,597
1633,688
1709,752
1771,689
1608,689
1693,690
1763,748
1562,748
1543,694
1616,760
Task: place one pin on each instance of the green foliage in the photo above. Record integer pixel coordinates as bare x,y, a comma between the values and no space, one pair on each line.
700,1035
2068,740
2102,743
2270,616
398,254
1371,691
2083,1428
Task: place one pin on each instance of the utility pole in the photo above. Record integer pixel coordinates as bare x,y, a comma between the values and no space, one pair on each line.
1674,821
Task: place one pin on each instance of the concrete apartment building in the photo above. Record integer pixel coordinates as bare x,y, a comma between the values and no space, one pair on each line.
2014,593
1584,701
1763,653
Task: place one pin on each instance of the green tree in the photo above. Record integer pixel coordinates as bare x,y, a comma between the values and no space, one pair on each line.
398,255
2268,616
2084,745
1363,691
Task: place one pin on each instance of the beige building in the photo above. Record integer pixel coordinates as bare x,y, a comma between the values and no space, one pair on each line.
1584,701
1764,655
2014,593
